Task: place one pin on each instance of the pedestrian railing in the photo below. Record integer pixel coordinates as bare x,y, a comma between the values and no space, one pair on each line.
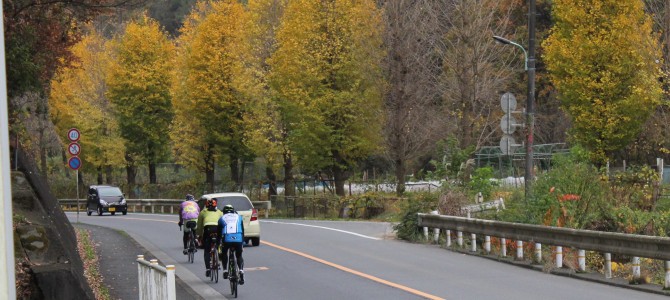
152,205
155,281
636,246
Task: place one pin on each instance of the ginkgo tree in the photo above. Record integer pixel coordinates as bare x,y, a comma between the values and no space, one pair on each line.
265,133
603,60
77,99
327,83
139,87
209,101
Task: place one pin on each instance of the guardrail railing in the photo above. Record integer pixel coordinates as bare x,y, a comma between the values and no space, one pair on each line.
154,280
637,246
150,205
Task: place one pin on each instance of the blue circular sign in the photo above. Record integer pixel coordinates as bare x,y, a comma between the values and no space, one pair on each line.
74,163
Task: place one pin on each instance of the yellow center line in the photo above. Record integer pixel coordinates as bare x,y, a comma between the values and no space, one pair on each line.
361,274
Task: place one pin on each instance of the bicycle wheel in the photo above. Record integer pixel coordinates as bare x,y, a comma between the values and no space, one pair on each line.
211,263
233,274
215,272
191,247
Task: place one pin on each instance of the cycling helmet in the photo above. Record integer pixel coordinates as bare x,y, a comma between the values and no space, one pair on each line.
228,209
211,203
190,197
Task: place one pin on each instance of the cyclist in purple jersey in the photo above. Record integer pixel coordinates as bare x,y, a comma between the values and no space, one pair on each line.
188,212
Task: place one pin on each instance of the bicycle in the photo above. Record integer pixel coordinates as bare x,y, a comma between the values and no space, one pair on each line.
192,249
233,271
213,259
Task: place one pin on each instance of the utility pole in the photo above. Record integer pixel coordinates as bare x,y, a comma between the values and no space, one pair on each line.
530,110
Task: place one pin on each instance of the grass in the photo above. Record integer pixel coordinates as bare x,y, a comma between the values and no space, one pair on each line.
91,268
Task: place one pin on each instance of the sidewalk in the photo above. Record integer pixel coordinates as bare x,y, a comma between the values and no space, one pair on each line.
117,254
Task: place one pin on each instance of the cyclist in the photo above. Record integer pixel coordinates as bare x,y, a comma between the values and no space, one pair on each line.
231,229
188,212
207,223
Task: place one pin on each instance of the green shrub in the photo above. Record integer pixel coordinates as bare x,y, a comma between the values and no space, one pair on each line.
408,228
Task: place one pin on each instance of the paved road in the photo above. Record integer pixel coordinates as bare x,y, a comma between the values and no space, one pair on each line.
355,260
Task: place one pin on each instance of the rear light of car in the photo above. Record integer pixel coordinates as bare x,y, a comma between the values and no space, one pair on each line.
254,214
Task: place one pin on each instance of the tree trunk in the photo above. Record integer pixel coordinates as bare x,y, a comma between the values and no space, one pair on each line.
235,172
64,157
289,183
99,171
131,174
209,168
272,182
340,176
108,174
152,173
400,177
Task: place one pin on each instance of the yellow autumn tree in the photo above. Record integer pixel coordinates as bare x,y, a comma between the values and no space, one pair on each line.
139,87
209,88
603,60
326,80
265,129
77,99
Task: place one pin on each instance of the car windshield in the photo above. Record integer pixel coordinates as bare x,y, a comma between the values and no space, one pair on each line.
109,192
239,203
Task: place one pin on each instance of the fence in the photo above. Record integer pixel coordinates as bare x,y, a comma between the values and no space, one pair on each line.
153,205
155,281
604,242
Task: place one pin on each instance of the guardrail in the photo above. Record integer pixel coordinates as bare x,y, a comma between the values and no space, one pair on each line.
154,280
604,242
171,205
479,207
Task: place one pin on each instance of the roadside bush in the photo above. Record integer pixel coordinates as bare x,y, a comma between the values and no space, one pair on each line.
408,228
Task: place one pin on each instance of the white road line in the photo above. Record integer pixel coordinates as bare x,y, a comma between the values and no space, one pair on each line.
327,228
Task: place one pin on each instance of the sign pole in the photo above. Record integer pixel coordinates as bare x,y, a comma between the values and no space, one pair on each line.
77,175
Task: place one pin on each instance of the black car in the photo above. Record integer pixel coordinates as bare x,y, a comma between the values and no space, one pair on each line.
105,198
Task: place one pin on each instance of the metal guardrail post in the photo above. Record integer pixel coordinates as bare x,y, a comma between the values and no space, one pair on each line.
503,247
538,253
473,242
459,239
666,284
636,268
487,244
448,232
519,250
581,258
559,256
608,265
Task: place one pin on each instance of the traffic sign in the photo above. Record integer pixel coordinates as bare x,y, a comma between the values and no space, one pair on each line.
508,102
74,149
507,144
74,163
508,124
73,135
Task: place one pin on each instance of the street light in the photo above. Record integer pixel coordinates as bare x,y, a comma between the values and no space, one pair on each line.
530,119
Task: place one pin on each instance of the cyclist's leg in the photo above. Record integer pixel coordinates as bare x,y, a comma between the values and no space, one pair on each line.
185,238
207,243
224,258
238,254
240,261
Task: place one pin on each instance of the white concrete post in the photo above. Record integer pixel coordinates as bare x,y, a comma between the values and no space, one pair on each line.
519,250
153,287
559,256
503,247
608,265
473,242
538,252
171,287
581,258
448,238
459,239
425,232
436,231
487,244
636,268
666,284
140,276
